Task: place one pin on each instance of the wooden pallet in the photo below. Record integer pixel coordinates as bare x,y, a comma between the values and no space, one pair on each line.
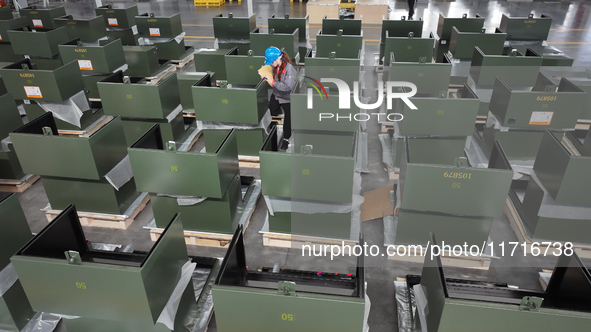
584,251
208,3
88,131
155,79
386,126
249,162
297,241
204,238
183,62
298,1
278,119
104,220
18,186
470,262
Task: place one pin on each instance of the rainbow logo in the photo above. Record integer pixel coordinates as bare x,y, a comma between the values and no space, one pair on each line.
316,87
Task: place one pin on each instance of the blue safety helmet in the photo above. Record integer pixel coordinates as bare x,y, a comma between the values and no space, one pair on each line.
271,54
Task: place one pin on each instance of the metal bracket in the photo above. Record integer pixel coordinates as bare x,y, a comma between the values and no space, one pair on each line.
73,257
551,88
443,94
79,43
126,80
464,15
171,146
332,55
250,53
403,18
531,303
223,84
461,162
151,14
483,30
513,52
286,15
271,31
411,34
340,32
25,66
47,131
307,149
423,59
286,288
531,15
230,15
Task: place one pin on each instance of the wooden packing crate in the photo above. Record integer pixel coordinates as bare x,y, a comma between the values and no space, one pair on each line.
102,219
18,186
183,62
87,132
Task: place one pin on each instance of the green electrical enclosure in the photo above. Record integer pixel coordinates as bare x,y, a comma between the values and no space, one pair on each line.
408,49
207,59
158,169
186,80
40,43
399,28
430,78
330,26
579,76
117,17
172,128
444,30
10,168
516,69
6,13
288,42
322,115
327,225
290,301
556,108
235,104
288,24
135,97
150,26
519,145
141,282
41,17
345,46
73,157
49,85
470,305
11,24
325,173
89,117
233,27
526,28
7,54
90,29
142,60
461,44
92,58
244,69
15,310
347,70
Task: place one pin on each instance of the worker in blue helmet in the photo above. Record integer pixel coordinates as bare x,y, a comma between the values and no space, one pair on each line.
283,80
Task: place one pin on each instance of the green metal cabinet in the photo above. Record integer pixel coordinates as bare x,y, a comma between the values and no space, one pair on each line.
330,26
399,28
407,49
526,28
233,27
104,58
461,44
41,17
324,174
538,109
563,173
132,288
15,229
347,70
187,80
128,36
170,49
516,69
40,43
172,129
243,69
7,54
579,76
90,29
10,119
138,98
444,29
235,104
249,299
453,305
288,42
322,116
73,157
289,24
551,56
215,215
207,59
118,17
520,145
160,170
142,60
430,78
150,26
249,141
345,46
49,85
11,24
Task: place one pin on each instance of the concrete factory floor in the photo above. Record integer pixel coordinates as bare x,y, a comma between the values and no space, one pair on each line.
570,33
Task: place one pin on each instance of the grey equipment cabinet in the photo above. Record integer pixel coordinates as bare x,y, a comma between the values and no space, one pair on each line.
457,201
470,305
123,291
15,309
333,302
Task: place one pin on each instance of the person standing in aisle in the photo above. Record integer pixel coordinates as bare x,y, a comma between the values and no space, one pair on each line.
283,80
411,8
